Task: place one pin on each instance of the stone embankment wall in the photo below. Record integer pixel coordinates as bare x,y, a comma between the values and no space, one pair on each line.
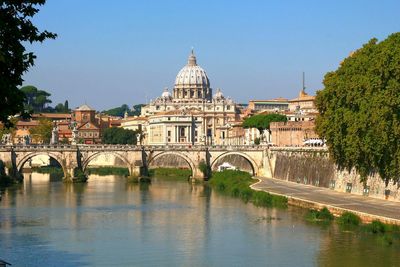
316,169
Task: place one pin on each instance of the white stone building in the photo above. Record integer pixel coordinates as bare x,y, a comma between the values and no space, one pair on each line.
191,114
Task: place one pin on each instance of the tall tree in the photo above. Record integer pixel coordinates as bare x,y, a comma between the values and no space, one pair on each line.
16,28
360,110
120,111
119,136
35,100
42,132
262,122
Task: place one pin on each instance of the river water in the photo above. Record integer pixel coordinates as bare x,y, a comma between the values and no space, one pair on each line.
170,222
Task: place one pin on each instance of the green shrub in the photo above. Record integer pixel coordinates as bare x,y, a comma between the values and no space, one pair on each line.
323,215
348,218
204,168
377,227
237,184
246,194
48,169
79,175
108,171
6,180
173,172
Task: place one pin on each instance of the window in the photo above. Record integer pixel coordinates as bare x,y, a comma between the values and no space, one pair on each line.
88,125
228,107
169,133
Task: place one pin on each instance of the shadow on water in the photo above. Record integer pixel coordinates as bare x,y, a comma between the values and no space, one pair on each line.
36,252
354,248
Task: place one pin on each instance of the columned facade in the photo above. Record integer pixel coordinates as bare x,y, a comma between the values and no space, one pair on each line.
199,116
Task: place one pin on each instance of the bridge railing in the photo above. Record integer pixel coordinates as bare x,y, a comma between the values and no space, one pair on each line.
85,147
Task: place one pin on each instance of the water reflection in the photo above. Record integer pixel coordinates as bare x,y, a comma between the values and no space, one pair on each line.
166,223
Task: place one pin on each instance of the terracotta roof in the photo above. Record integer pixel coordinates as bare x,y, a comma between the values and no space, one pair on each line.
27,123
52,115
135,119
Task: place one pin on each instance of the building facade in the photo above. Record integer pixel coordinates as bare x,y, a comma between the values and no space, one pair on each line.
274,105
200,116
292,133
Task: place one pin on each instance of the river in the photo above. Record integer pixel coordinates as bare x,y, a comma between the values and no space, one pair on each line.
108,222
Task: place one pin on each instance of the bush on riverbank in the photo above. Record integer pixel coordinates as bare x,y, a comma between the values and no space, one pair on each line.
323,215
349,219
170,172
237,184
5,180
108,171
48,169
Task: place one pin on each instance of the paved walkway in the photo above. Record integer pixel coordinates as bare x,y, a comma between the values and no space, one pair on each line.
377,208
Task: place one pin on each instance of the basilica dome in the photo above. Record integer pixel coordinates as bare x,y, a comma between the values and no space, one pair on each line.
192,81
166,94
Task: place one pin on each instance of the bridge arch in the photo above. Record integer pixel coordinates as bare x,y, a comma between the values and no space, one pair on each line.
181,155
91,157
250,160
56,156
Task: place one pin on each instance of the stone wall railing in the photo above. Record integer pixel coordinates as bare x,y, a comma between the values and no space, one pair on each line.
96,147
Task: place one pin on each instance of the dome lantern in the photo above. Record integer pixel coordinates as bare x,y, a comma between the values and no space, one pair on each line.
192,82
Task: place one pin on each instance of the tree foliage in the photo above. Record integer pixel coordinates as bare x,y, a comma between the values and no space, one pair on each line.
42,132
16,28
262,122
116,135
35,100
360,110
62,108
120,111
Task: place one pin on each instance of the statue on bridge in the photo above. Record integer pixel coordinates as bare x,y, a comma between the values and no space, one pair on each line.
27,139
54,135
74,134
7,139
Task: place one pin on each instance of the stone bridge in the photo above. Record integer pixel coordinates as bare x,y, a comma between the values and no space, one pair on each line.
138,159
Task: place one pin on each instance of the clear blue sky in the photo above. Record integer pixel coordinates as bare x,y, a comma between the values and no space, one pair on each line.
113,52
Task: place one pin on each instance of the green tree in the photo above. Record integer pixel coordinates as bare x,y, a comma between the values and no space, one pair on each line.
360,110
116,135
262,122
120,111
59,108
42,132
35,100
16,29
62,108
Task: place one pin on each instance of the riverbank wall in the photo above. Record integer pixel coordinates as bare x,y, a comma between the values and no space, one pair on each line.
312,166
